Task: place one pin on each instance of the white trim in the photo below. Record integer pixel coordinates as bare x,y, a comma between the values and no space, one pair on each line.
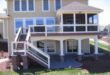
34,21
62,48
27,6
79,47
96,45
43,6
55,5
3,29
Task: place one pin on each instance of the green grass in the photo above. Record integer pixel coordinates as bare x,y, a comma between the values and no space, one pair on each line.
50,72
102,46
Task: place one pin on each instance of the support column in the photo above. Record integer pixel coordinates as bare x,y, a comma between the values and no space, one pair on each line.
61,50
96,48
79,50
14,63
25,62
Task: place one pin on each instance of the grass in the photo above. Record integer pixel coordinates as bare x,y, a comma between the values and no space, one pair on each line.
52,72
102,46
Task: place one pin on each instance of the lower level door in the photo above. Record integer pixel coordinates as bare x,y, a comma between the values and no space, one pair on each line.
71,46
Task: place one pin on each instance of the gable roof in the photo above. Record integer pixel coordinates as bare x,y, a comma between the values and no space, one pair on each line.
78,7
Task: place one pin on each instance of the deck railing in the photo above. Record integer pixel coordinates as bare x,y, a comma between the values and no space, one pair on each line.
63,28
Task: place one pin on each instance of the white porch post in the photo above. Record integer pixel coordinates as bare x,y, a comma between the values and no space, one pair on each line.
79,47
61,22
79,50
96,46
61,48
86,21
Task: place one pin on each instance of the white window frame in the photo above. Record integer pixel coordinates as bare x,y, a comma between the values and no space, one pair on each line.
55,4
54,42
34,21
43,6
27,9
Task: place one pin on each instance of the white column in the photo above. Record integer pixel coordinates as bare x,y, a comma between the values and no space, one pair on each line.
96,45
61,48
79,47
61,22
86,21
74,22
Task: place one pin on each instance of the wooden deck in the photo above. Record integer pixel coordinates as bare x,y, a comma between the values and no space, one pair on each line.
69,62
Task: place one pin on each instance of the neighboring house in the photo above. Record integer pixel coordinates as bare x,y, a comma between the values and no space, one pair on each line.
1,29
107,30
44,30
3,26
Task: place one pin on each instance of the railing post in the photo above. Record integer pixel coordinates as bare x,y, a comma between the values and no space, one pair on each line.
25,47
12,48
45,30
48,62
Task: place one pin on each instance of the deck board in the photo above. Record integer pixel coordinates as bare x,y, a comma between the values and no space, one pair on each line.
69,62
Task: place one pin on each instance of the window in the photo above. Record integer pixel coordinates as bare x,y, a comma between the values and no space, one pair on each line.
39,21
68,19
29,22
51,46
45,5
24,5
57,4
18,23
31,5
92,19
80,18
17,5
50,21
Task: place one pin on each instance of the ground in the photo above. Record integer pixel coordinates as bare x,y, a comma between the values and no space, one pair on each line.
90,67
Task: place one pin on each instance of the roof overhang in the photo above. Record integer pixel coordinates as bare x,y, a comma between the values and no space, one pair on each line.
76,7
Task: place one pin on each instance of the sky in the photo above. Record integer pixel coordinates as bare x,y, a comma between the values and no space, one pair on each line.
104,17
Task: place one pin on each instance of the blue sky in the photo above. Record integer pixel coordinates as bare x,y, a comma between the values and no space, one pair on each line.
104,17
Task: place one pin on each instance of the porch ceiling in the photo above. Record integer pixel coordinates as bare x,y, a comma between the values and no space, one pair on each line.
78,7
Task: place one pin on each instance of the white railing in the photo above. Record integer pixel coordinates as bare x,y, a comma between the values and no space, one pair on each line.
18,34
28,35
29,45
15,47
64,28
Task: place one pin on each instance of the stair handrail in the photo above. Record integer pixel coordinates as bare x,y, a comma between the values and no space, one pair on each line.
28,35
18,33
40,51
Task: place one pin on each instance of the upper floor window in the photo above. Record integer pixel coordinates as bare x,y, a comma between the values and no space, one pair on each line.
57,4
24,5
50,21
39,21
46,5
92,18
80,18
18,24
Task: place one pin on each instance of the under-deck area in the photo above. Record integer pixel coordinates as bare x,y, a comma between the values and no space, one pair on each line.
69,61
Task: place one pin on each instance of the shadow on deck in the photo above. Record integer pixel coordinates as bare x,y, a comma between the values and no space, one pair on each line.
68,62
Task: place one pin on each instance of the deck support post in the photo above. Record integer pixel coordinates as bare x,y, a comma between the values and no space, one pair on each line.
14,62
79,50
96,48
25,62
61,50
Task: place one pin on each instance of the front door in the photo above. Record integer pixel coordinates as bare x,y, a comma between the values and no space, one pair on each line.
71,46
